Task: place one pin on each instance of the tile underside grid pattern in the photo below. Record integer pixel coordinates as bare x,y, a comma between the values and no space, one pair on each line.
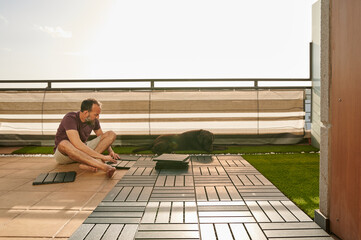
217,197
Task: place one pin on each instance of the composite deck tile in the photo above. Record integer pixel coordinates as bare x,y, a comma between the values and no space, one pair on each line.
272,214
298,213
121,164
217,197
208,170
283,233
224,212
97,231
283,211
212,180
111,220
254,231
207,232
128,193
257,211
291,225
168,227
165,180
108,214
82,232
128,232
148,181
172,194
55,177
140,235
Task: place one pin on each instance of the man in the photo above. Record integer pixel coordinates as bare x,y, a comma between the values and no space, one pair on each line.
71,140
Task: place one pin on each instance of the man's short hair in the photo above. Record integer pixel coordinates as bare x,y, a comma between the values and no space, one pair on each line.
87,104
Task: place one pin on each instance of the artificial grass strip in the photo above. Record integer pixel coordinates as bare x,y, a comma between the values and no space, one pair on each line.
230,149
296,175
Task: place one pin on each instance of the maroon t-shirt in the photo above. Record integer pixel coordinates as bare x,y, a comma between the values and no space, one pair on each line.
71,121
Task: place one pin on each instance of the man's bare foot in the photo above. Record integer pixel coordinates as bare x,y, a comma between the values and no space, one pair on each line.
88,168
110,171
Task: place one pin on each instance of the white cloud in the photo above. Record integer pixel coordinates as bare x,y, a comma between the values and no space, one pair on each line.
3,20
55,32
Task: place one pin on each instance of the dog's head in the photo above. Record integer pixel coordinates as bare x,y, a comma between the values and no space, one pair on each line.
206,138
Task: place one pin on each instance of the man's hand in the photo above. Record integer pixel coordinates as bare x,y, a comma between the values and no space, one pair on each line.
114,155
108,158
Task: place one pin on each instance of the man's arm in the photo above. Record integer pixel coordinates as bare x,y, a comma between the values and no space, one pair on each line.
74,138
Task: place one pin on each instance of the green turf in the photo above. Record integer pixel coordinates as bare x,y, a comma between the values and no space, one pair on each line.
230,149
296,175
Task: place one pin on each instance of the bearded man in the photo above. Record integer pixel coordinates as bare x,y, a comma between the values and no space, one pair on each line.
71,140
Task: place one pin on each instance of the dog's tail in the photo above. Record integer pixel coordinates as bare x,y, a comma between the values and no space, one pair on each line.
148,147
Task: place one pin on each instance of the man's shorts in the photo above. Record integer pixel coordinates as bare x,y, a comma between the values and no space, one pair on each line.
64,159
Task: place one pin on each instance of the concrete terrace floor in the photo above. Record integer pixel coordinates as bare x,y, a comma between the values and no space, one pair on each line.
46,211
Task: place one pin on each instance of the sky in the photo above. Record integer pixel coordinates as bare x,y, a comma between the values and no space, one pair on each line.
154,39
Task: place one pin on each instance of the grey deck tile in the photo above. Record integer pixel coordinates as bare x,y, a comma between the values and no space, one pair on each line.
254,180
241,170
145,194
265,198
257,212
123,194
82,232
163,212
150,212
112,220
299,214
239,232
97,232
119,209
212,180
226,220
272,214
128,232
255,231
177,212
233,193
283,211
190,212
296,233
122,204
208,232
263,179
296,225
223,232
134,194
108,214
167,235
223,193
113,232
169,227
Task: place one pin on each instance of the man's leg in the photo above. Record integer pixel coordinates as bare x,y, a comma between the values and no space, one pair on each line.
106,140
66,148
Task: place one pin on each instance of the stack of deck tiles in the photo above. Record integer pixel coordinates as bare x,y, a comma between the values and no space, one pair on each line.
172,161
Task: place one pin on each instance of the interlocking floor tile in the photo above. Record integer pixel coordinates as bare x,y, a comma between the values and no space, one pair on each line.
217,197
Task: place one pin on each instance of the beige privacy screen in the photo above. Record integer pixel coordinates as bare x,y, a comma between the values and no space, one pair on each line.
159,112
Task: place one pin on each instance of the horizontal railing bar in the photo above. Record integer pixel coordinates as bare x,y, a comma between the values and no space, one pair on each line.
148,89
156,80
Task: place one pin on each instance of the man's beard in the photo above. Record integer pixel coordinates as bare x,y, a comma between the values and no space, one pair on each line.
89,122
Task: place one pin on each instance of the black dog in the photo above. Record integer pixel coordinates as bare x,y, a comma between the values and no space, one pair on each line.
190,140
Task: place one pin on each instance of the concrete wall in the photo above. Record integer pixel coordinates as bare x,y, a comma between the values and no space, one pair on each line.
316,74
321,81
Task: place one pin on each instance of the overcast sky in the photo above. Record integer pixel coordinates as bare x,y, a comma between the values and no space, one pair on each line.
150,39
